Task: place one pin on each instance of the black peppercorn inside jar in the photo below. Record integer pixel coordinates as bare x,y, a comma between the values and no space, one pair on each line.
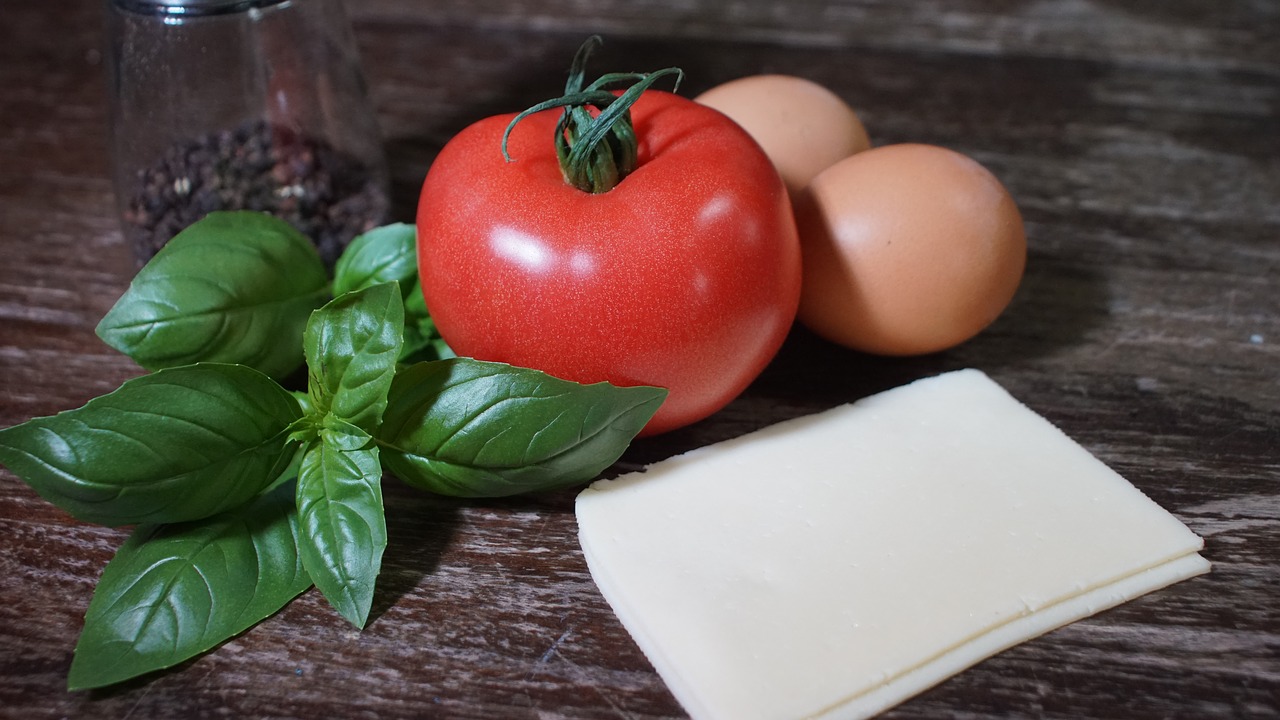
329,196
242,105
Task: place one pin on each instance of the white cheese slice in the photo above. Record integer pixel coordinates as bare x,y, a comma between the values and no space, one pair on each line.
834,565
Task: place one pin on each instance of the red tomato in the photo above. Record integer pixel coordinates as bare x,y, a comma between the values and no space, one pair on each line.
686,275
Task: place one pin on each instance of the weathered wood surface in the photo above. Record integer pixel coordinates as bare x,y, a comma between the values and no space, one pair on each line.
1142,141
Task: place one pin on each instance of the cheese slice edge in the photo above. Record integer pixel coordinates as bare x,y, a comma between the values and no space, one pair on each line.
1002,637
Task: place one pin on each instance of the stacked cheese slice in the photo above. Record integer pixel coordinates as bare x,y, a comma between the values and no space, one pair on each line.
834,565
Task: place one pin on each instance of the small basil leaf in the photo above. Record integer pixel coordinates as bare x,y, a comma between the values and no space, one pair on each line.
385,254
415,343
232,288
415,303
175,591
422,342
306,428
351,346
304,401
344,531
473,429
290,473
176,445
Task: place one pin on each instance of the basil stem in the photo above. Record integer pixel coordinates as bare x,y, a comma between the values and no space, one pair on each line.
474,429
175,591
235,287
180,444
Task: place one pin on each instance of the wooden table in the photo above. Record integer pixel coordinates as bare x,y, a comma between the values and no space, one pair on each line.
1142,141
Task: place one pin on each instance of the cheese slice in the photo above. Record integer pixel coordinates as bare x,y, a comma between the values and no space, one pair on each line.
834,565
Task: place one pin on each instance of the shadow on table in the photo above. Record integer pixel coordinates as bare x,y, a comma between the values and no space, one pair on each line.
1057,306
419,528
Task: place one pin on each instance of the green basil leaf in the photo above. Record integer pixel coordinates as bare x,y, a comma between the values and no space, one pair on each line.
422,341
304,402
416,342
175,591
474,429
344,531
385,254
415,303
176,445
351,346
234,287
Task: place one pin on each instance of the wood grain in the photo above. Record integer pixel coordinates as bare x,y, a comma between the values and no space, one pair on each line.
1142,142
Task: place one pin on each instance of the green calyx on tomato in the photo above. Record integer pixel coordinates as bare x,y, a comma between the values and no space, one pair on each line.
595,150
684,276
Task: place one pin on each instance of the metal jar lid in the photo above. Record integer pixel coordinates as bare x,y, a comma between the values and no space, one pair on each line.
189,8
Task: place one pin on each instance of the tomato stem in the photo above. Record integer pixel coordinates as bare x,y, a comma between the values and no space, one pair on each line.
596,150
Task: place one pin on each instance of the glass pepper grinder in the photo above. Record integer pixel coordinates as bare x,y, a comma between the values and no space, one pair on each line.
241,105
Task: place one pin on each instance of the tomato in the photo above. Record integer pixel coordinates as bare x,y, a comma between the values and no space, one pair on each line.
686,275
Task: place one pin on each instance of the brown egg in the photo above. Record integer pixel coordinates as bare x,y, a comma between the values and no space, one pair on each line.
803,127
908,249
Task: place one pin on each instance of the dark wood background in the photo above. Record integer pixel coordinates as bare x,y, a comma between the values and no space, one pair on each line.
1142,141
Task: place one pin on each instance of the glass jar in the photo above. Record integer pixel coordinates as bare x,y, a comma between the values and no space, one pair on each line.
241,105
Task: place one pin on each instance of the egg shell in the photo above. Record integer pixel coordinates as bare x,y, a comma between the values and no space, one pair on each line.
802,126
907,249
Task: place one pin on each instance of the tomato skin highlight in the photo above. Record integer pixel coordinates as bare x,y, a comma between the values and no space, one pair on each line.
685,276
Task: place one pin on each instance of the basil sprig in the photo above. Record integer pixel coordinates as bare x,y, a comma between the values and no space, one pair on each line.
246,493
352,345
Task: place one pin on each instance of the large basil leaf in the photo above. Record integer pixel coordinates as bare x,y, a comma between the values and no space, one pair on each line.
176,445
235,287
473,429
175,591
351,347
344,531
385,254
